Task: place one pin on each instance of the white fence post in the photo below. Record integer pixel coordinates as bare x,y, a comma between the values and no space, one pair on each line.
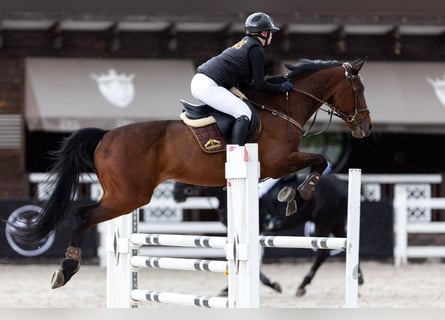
353,238
243,250
120,274
400,231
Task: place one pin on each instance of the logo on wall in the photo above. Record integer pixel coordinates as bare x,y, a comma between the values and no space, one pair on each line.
439,88
117,89
24,217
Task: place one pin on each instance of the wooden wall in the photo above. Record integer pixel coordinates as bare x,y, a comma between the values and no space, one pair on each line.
13,177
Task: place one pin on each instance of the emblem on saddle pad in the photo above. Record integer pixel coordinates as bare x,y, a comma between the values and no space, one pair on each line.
212,144
439,88
117,89
209,138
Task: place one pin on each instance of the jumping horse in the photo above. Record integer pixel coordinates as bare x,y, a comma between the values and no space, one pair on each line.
131,160
327,210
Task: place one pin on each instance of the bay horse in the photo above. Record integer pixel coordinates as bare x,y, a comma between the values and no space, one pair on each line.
131,160
327,210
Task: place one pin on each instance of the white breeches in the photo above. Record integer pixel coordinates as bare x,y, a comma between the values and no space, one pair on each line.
208,92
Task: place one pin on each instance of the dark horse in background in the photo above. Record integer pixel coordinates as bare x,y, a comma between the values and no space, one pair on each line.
130,161
327,210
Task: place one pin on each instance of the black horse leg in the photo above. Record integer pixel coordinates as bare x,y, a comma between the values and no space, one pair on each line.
361,280
73,254
320,258
266,281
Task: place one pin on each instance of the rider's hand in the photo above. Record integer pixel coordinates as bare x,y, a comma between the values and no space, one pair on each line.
286,86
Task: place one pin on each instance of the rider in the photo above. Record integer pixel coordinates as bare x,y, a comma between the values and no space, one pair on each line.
243,62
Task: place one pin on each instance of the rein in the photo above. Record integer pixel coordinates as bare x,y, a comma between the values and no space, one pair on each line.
278,114
332,110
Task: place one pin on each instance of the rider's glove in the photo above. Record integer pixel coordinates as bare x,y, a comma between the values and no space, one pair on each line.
286,86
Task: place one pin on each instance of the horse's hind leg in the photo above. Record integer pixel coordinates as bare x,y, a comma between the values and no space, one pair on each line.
266,281
321,257
73,254
361,279
84,218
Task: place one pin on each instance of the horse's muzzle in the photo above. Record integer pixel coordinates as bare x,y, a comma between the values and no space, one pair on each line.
362,130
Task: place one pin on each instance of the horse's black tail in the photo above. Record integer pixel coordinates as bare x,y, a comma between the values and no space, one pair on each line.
74,157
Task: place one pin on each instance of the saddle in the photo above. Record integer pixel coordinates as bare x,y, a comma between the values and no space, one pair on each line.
212,128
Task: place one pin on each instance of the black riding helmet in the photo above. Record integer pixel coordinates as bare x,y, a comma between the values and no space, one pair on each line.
258,22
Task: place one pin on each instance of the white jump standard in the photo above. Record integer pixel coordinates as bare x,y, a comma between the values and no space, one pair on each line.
242,174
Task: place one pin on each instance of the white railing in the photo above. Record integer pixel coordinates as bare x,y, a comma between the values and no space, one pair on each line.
402,228
416,189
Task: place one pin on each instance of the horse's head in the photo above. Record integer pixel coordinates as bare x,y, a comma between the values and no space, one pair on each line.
343,92
348,100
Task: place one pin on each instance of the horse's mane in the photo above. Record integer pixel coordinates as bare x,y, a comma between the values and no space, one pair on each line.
307,66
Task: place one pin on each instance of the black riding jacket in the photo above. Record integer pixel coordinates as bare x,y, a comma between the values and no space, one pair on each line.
243,62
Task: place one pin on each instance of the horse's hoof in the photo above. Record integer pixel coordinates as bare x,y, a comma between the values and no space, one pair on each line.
286,194
291,208
300,292
276,286
58,279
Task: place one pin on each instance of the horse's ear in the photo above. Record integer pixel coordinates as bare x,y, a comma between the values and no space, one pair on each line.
358,64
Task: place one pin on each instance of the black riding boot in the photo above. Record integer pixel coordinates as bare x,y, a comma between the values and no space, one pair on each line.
239,130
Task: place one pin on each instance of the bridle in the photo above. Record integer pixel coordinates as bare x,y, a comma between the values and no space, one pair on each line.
334,111
351,77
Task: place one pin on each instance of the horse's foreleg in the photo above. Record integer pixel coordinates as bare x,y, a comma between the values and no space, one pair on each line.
317,164
306,189
321,257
